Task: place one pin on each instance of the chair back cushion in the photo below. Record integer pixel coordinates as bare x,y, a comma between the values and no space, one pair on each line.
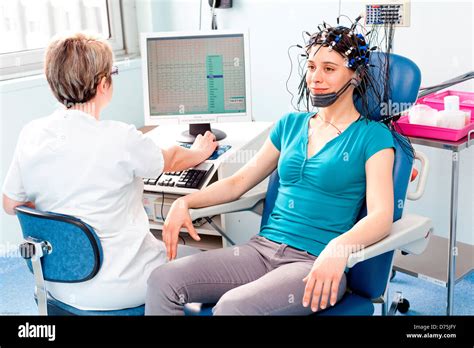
270,198
76,251
369,278
402,87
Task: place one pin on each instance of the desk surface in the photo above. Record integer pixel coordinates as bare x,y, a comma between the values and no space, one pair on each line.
146,129
238,133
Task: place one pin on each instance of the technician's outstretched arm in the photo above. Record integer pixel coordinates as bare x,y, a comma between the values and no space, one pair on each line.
178,158
225,190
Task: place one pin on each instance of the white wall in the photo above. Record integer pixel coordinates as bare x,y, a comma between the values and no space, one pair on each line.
440,41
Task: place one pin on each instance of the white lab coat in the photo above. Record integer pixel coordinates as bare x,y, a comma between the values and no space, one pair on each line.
70,163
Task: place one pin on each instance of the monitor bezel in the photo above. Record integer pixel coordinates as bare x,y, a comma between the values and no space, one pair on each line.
196,118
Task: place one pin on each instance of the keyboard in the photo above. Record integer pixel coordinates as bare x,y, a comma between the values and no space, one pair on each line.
217,152
192,178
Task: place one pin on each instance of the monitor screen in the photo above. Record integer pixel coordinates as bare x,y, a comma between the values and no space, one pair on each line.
194,76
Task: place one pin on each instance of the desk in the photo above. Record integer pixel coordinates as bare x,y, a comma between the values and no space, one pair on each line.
414,265
246,138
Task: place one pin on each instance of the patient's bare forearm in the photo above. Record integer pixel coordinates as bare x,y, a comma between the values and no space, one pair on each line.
222,191
365,232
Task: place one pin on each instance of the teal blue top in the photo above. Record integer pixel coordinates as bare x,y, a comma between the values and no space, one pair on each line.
320,197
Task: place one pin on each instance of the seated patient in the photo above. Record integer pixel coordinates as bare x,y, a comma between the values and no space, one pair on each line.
73,163
329,162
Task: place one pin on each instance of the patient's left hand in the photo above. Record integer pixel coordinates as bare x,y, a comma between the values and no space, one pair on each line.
324,278
177,217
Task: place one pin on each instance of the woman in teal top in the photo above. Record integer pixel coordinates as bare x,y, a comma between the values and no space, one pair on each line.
329,162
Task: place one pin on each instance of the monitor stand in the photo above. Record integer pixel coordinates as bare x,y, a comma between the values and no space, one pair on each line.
199,128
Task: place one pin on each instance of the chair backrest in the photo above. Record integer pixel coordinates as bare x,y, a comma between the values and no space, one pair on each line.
369,278
402,87
76,254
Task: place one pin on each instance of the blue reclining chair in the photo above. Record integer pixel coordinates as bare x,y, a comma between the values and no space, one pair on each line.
370,269
61,248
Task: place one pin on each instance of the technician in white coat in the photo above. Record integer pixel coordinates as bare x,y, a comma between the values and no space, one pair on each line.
72,163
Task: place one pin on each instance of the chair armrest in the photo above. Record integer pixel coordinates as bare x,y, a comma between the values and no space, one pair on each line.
409,234
252,201
423,175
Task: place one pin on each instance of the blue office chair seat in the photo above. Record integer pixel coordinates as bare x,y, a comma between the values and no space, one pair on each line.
350,304
61,248
198,309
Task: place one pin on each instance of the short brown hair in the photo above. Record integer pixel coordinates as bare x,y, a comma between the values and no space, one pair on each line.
74,66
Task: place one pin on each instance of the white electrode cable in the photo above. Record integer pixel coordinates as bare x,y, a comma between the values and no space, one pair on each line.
200,13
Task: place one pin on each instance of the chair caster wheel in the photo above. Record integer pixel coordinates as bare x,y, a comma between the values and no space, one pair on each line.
403,306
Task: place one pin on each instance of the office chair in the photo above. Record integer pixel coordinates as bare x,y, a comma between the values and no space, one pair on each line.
61,248
370,269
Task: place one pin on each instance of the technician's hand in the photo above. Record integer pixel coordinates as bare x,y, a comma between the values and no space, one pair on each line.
323,280
177,217
30,205
205,145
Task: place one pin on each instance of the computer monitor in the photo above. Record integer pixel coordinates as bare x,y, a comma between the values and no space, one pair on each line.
196,78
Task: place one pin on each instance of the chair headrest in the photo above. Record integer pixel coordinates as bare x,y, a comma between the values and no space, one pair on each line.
402,87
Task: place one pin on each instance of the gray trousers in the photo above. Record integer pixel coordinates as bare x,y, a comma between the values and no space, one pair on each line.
260,277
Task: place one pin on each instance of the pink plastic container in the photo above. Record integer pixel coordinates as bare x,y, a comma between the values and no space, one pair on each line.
436,101
417,130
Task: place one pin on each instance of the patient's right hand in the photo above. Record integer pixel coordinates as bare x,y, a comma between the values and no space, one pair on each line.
177,217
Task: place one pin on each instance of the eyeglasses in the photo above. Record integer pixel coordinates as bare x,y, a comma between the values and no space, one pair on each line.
114,70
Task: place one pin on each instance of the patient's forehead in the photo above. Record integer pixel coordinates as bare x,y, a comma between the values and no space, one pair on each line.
323,54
